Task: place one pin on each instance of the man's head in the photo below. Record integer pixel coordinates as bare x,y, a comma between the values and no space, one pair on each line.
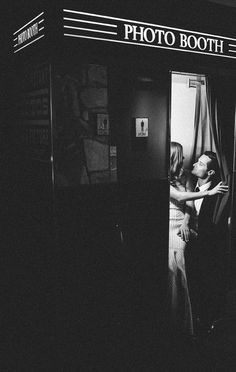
206,168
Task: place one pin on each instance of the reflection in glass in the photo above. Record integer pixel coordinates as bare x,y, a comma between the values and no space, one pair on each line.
83,152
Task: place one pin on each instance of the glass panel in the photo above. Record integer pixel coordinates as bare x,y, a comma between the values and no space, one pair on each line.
83,152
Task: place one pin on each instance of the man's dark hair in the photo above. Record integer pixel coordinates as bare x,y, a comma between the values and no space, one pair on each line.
213,165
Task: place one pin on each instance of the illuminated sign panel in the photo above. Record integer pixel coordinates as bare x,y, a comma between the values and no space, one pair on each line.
117,30
29,33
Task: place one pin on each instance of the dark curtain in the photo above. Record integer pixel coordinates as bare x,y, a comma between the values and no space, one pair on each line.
221,106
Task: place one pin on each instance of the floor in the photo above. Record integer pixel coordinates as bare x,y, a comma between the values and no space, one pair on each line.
53,318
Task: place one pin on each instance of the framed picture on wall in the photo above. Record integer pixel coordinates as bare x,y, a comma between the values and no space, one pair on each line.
141,127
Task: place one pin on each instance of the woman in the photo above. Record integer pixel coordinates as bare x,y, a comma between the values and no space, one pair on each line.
179,234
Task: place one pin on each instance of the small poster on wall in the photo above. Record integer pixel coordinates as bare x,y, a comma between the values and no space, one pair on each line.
141,127
102,124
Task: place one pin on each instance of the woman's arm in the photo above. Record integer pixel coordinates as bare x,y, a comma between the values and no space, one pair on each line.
184,230
189,195
186,195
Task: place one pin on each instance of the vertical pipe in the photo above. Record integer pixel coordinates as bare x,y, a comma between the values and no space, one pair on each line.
52,146
231,218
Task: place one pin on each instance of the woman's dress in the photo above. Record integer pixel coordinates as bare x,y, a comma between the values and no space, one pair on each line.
181,310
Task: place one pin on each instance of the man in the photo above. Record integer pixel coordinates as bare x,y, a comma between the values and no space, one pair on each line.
205,258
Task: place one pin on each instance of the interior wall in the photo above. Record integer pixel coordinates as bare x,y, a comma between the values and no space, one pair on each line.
139,97
182,113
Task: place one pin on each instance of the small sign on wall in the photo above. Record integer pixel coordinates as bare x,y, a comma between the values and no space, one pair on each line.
102,124
141,127
113,151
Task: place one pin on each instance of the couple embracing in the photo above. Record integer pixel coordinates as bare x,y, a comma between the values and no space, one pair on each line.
191,224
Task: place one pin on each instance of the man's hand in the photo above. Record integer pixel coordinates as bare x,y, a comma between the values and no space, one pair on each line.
184,232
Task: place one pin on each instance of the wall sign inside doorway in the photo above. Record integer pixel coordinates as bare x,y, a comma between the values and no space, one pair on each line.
141,127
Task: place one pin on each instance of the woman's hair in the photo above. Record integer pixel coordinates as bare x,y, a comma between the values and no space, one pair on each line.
176,160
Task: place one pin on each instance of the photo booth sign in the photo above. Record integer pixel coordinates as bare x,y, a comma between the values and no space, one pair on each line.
124,31
84,25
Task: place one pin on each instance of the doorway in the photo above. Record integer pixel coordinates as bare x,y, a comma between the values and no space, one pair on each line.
203,261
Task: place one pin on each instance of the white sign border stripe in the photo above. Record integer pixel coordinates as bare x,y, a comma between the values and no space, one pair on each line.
29,43
91,29
90,22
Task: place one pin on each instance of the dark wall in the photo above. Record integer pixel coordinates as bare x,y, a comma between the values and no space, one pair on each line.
135,94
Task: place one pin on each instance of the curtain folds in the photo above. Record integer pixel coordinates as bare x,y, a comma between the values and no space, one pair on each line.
214,120
220,106
202,137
